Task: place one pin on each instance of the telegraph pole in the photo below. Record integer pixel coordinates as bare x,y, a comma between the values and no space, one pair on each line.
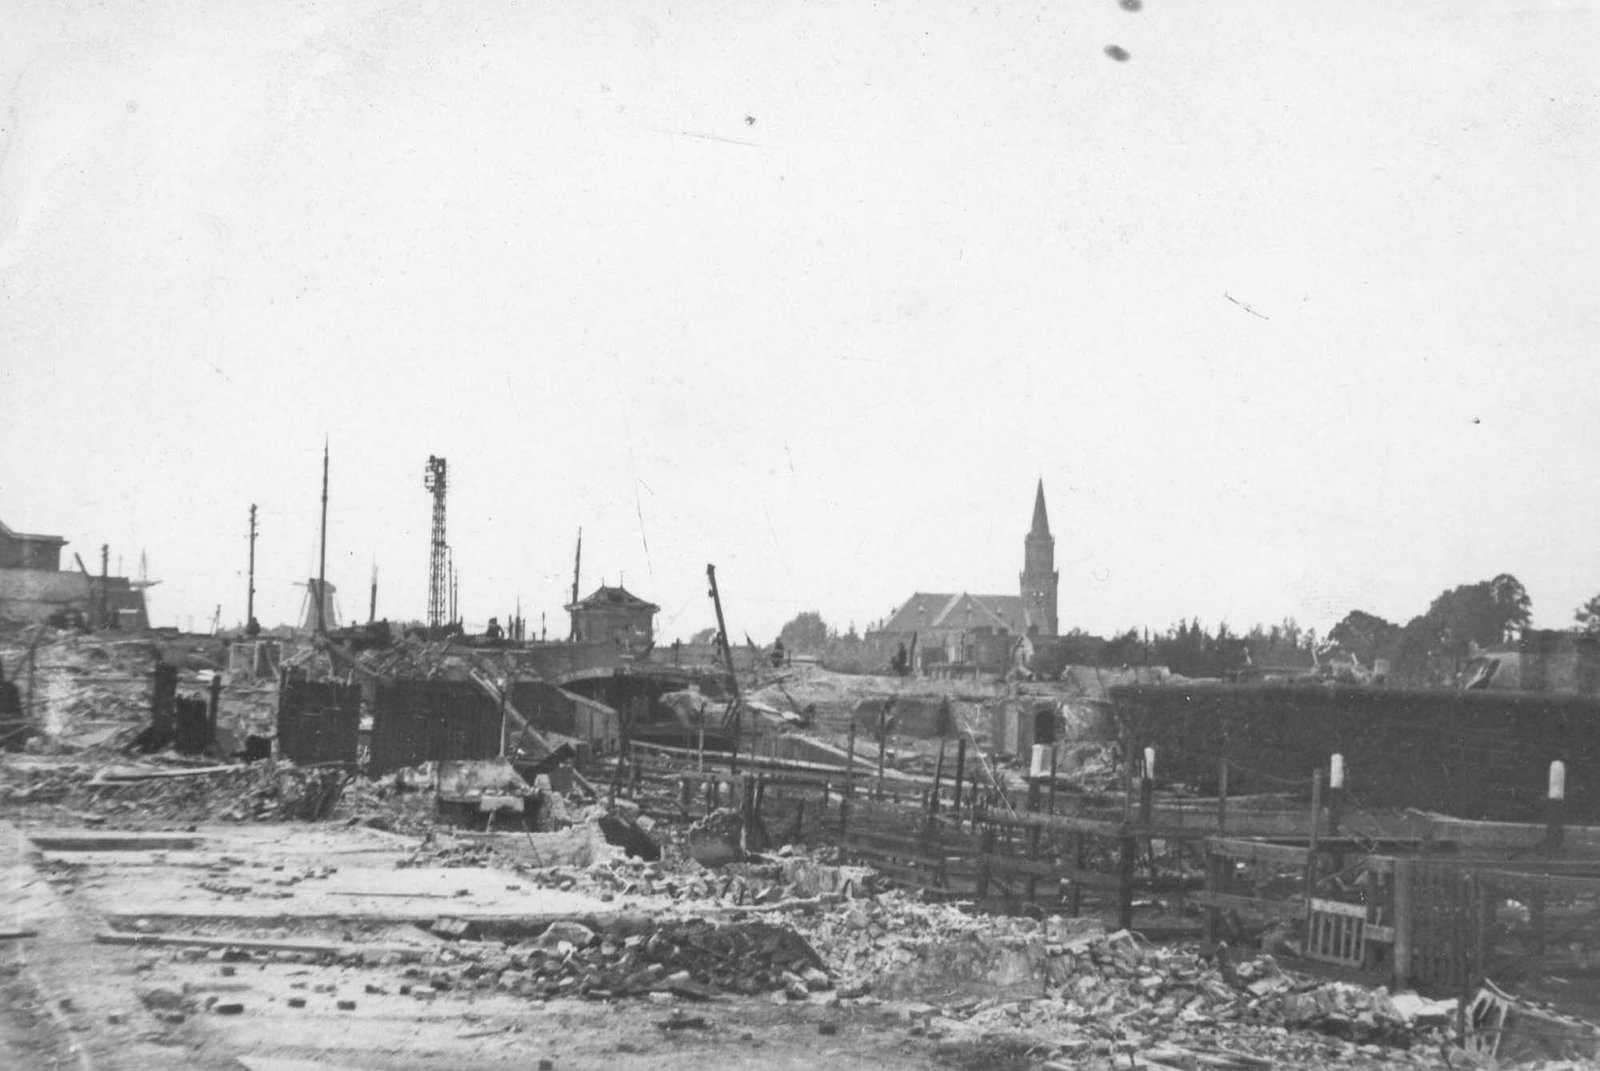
322,556
577,563
722,629
250,596
733,715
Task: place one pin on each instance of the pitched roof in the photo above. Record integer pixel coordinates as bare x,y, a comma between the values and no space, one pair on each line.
1041,519
617,598
938,610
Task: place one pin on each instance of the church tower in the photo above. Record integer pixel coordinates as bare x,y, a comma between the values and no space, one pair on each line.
1039,576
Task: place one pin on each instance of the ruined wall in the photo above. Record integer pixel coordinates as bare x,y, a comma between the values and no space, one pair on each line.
421,721
1482,755
1559,662
547,708
35,594
318,721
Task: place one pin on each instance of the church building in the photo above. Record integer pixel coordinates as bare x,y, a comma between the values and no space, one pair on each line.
982,630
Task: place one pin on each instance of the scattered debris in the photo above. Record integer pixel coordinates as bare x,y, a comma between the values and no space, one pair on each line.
1504,1029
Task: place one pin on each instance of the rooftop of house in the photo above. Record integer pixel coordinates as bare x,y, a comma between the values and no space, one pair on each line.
962,610
6,532
613,598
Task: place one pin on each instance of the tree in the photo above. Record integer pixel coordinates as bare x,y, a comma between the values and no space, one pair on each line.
1588,617
1431,648
1366,636
705,636
1482,613
1512,601
806,634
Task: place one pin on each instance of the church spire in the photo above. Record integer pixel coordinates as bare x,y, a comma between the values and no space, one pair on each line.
1040,580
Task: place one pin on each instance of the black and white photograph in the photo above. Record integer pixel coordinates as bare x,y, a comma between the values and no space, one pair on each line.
686,535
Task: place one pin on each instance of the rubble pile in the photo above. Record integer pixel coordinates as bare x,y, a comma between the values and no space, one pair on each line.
261,791
797,882
631,956
391,803
693,959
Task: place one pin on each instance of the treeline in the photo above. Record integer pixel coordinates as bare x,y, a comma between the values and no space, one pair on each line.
1428,650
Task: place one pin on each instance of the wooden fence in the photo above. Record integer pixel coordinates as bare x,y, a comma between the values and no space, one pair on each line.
1438,906
1415,913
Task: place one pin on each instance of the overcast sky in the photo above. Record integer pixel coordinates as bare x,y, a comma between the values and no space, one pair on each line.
1293,311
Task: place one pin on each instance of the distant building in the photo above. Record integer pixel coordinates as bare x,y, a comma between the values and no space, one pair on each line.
34,587
1543,660
614,615
18,550
983,630
308,605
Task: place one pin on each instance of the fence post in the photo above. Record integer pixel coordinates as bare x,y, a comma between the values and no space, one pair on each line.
1128,849
850,762
1213,888
1034,792
1335,793
1080,860
1402,922
961,763
883,743
1311,850
1555,800
938,779
1222,796
985,850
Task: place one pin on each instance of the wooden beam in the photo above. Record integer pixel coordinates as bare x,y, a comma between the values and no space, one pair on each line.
329,948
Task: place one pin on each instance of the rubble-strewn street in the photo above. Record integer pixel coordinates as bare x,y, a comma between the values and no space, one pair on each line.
278,916
220,938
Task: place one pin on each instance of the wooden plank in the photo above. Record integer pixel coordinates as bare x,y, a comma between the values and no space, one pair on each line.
116,775
906,876
1338,907
1545,883
1006,864
329,948
1255,851
929,844
1288,909
112,842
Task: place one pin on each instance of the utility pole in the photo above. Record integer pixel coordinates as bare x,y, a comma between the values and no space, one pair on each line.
322,554
733,714
105,585
577,562
722,629
372,607
250,627
450,556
